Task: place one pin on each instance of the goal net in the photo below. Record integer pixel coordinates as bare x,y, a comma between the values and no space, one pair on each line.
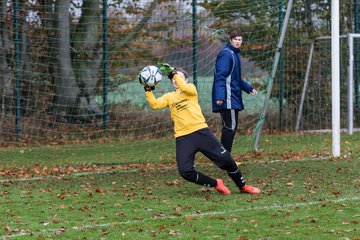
69,72
69,68
314,113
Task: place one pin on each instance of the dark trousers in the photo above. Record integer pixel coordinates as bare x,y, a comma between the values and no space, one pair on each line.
204,141
229,119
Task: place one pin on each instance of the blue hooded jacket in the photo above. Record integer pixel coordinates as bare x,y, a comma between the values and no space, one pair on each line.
228,85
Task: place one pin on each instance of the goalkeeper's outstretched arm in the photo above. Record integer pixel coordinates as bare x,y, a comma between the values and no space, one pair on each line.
189,89
156,103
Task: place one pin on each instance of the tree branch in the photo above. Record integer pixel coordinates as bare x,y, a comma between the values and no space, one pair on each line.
137,29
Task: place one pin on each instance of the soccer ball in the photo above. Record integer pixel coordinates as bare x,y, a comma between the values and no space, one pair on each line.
150,76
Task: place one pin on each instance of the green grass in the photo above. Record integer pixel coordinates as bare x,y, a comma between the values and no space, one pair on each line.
93,192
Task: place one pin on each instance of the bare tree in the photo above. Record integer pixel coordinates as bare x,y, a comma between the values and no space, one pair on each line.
77,58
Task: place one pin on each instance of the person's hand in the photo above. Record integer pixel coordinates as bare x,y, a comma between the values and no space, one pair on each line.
254,92
219,102
149,89
146,87
168,69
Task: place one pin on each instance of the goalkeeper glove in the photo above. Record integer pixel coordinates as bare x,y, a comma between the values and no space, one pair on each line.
148,88
165,67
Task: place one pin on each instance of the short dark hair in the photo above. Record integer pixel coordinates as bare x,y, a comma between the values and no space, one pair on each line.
235,33
179,69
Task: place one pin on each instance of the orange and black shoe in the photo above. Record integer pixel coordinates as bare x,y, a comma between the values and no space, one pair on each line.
221,188
250,189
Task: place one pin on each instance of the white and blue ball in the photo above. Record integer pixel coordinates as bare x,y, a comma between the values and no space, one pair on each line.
150,76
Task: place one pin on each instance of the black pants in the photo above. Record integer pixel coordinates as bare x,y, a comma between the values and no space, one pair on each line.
204,141
229,119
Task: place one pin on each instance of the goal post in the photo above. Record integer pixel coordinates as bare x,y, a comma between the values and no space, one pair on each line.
351,37
306,80
335,77
279,46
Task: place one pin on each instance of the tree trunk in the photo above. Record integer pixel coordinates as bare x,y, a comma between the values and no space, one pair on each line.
308,20
25,65
87,56
66,88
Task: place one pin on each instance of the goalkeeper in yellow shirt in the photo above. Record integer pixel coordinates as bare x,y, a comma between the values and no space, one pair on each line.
192,134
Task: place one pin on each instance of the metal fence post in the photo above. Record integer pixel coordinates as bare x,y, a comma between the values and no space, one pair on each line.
17,68
105,67
194,35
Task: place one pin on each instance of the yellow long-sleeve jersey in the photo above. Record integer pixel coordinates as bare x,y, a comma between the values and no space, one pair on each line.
184,107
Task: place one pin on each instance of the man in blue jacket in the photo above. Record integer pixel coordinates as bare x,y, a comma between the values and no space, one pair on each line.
228,86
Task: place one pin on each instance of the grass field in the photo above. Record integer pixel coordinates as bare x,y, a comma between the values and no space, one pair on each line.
93,192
